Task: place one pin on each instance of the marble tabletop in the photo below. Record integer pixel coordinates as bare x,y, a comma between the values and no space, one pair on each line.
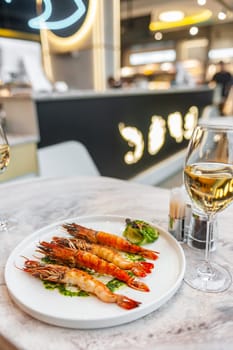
189,320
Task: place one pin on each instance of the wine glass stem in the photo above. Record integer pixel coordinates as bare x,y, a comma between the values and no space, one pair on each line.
207,247
209,230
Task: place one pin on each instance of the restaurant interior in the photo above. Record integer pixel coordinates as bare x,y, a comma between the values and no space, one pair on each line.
55,82
101,103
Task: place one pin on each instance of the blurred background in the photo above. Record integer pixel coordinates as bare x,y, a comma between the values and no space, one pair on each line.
126,79
148,44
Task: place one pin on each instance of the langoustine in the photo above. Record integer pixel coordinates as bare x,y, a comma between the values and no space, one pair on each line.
108,239
80,258
139,268
79,278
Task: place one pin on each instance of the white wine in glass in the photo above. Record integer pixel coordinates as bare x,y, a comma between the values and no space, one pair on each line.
208,178
4,162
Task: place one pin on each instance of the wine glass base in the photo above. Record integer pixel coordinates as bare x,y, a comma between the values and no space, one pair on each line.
212,278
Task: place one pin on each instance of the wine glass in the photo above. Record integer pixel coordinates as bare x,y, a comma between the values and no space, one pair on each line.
4,161
208,178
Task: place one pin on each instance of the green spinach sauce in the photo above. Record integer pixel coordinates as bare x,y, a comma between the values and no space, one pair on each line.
113,285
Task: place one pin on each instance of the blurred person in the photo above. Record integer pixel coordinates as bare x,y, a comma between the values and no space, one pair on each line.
224,79
113,83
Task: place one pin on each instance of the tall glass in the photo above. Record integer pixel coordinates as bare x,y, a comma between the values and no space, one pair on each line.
4,161
208,178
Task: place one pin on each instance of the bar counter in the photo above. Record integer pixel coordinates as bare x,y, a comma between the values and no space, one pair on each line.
126,131
189,320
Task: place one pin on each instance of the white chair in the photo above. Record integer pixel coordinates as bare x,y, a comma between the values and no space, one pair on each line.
210,111
66,159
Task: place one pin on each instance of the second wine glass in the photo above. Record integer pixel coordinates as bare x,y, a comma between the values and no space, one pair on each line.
208,178
4,162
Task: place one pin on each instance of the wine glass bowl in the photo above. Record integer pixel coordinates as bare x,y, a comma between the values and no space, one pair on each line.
208,178
4,155
210,185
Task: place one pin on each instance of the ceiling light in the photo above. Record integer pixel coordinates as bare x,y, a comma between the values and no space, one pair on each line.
200,17
222,15
193,31
158,36
171,16
201,2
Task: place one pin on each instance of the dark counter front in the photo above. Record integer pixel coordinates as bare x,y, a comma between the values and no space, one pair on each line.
125,133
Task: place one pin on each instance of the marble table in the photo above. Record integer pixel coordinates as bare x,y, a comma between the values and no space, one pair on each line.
189,320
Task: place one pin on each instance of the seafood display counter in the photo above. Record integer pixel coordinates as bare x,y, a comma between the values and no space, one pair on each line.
184,318
125,131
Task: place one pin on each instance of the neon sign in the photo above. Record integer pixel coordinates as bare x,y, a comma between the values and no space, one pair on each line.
157,133
61,44
41,21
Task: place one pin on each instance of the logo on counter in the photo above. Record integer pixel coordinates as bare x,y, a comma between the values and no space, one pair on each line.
177,128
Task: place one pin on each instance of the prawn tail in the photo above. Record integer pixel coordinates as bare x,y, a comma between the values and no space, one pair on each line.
141,269
138,271
135,284
126,303
146,266
149,254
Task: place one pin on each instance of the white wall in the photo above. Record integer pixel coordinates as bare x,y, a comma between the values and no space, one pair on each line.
21,62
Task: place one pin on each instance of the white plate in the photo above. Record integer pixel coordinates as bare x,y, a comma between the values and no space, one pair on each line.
89,312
